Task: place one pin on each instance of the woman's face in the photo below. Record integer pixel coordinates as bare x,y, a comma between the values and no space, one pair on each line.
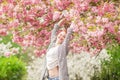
61,37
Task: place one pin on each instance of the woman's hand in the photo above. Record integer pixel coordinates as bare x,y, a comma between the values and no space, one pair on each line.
61,22
72,25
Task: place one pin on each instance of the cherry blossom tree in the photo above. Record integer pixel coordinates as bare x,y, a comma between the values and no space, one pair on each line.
96,22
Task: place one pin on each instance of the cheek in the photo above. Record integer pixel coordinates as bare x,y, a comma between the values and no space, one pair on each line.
62,38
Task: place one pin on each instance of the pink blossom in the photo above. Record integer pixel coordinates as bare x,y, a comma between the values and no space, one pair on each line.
39,53
14,24
118,36
94,9
83,29
117,22
100,11
26,2
0,1
98,19
119,32
56,15
10,1
5,8
35,23
108,7
40,13
46,42
50,15
39,42
76,29
26,43
1,12
110,27
84,6
90,25
72,12
3,32
98,33
17,39
31,22
35,1
28,40
105,20
59,4
7,54
95,1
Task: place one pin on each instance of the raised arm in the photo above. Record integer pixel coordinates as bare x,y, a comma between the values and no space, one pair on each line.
55,29
54,33
67,38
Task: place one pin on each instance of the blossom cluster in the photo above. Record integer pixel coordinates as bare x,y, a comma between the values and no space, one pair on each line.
7,49
31,22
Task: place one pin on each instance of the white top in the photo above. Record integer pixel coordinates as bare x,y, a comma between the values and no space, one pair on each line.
52,58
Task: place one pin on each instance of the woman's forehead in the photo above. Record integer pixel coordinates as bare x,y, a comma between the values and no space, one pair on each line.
62,32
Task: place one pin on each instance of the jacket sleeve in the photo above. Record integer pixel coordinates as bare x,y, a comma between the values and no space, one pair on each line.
53,36
54,33
67,38
44,72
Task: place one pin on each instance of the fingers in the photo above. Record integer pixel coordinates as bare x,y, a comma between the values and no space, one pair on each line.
61,22
62,16
72,24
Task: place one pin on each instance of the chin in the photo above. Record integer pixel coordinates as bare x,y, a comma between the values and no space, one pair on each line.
59,42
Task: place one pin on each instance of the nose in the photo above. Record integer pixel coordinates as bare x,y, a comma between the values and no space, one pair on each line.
62,38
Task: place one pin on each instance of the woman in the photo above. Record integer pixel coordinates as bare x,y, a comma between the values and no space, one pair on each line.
55,61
